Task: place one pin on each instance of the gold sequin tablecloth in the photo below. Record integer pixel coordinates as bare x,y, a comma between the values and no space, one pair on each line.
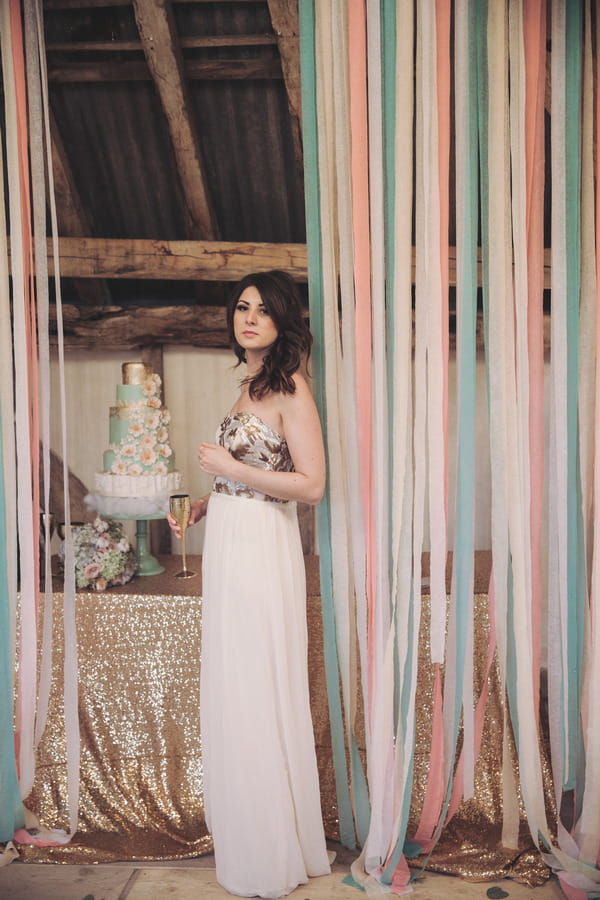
141,764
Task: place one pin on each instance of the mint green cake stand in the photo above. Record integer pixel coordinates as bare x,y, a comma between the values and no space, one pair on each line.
146,563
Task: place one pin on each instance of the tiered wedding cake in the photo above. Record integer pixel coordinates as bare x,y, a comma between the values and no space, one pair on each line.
139,462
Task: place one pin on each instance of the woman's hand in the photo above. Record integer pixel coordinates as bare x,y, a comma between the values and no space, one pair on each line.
215,460
197,511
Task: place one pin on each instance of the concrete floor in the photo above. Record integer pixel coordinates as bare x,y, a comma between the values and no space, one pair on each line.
195,880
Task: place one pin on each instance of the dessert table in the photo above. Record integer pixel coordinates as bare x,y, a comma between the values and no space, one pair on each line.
141,763
141,760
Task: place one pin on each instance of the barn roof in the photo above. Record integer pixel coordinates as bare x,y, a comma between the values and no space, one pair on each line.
172,122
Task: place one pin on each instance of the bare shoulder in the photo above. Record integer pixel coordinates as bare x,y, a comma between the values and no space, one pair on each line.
299,414
303,389
301,399
302,431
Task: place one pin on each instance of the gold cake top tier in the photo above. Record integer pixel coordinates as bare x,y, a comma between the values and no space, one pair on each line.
135,372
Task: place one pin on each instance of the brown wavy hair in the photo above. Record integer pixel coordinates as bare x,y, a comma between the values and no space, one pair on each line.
283,302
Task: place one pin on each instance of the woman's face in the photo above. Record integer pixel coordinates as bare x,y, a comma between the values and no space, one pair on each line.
253,327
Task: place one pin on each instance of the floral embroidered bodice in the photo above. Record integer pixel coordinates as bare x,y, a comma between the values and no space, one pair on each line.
252,441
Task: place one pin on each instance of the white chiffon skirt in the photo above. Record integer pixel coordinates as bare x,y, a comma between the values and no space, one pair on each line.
261,788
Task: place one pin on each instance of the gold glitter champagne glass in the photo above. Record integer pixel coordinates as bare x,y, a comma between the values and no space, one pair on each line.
179,507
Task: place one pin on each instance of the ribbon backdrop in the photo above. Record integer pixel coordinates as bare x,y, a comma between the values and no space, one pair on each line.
397,163
24,421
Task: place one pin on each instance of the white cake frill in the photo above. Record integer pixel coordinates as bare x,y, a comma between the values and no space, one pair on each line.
129,507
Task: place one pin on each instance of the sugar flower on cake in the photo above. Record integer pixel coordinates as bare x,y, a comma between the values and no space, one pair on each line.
160,469
151,385
154,401
135,469
135,429
162,435
147,456
119,467
128,450
148,442
165,416
164,450
152,420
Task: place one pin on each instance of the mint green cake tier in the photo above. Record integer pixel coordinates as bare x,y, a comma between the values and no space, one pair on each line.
109,457
129,394
122,419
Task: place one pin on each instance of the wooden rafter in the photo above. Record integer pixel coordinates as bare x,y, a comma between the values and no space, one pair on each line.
71,216
198,260
141,328
95,4
156,25
213,70
174,260
202,40
284,18
137,327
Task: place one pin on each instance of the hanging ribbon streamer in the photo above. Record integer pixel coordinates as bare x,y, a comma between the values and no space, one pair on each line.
38,185
338,603
461,607
28,135
576,563
70,687
534,35
315,228
431,349
11,808
386,415
21,255
352,610
587,829
407,603
564,588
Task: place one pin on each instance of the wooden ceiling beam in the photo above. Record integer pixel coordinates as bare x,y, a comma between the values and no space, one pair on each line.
199,260
195,70
284,18
141,327
158,33
187,43
99,4
174,260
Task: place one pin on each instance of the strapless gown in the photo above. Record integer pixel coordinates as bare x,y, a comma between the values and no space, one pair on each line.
261,789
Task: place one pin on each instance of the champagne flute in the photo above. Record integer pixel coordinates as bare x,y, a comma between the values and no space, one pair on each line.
179,507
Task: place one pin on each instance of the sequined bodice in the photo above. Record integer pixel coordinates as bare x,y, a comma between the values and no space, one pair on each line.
252,441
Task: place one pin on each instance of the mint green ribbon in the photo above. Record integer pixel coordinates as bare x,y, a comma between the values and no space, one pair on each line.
575,552
11,807
315,281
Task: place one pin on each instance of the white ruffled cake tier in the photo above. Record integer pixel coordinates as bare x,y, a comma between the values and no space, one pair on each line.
143,486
